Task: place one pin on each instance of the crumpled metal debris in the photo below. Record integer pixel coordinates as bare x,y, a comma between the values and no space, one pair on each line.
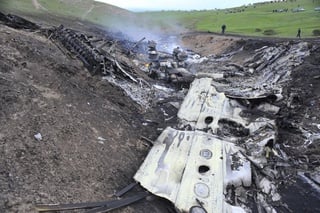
271,67
18,22
214,154
94,57
168,67
206,108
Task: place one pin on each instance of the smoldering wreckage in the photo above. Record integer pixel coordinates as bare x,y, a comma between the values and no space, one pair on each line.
224,153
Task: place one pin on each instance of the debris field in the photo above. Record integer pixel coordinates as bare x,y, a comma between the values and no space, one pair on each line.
215,123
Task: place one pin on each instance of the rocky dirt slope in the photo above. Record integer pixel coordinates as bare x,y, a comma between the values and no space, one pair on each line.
90,130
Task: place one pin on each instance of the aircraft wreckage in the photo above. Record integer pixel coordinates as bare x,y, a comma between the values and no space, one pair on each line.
226,130
194,168
225,138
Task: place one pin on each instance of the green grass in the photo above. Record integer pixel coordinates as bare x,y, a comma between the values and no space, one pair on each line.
101,14
253,21
20,6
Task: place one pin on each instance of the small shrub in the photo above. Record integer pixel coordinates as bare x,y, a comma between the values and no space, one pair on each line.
269,32
258,30
316,32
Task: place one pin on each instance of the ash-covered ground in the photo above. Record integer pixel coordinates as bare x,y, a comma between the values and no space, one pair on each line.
94,129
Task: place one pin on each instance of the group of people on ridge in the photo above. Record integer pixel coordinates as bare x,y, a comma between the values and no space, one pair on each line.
224,27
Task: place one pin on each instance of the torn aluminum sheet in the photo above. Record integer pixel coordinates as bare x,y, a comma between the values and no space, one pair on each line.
205,108
188,167
192,168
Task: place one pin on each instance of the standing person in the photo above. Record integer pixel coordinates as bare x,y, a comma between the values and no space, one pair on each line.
223,28
299,33
175,53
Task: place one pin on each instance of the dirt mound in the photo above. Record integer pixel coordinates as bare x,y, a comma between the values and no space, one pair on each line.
90,130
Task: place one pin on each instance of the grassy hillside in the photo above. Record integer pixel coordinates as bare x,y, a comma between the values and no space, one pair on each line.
257,19
83,9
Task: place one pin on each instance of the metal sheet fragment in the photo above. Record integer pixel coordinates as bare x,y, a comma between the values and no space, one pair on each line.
186,166
206,108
